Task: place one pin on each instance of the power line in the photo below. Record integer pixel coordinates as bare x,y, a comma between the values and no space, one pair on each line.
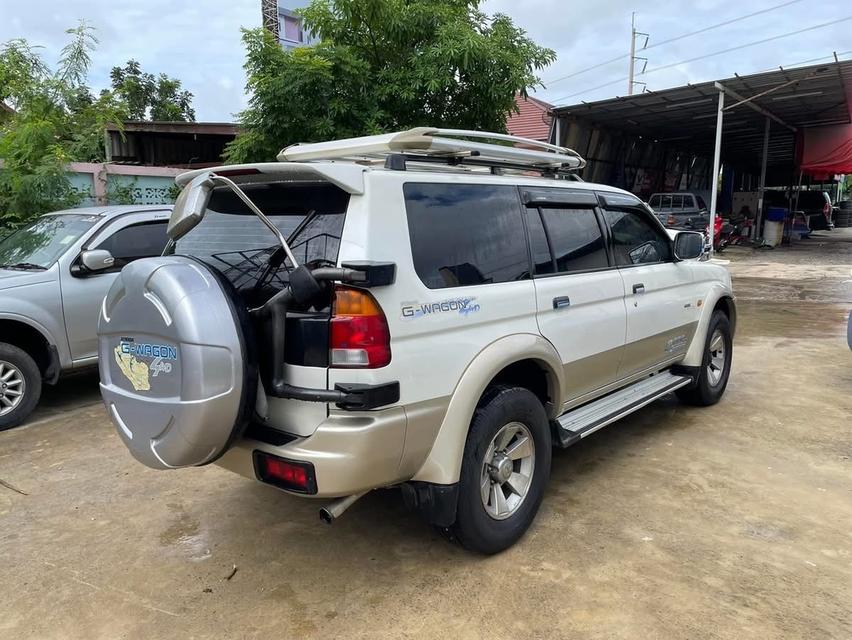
675,39
724,24
710,55
796,64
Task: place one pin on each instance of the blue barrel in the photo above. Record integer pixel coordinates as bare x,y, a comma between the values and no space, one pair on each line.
776,214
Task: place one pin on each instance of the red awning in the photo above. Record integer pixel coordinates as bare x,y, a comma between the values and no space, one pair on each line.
825,151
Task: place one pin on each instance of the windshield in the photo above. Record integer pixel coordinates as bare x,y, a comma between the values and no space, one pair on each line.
39,244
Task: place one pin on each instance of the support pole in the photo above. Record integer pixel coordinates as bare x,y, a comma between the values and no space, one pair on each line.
632,54
714,178
762,186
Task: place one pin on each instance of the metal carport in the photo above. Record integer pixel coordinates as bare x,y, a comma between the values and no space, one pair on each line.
750,123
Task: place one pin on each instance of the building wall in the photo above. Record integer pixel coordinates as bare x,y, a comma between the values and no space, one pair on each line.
532,120
290,32
104,183
635,164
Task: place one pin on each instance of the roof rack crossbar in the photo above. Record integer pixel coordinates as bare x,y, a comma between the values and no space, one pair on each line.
443,143
399,162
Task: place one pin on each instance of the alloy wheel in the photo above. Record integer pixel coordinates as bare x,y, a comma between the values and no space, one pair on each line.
716,366
507,470
12,387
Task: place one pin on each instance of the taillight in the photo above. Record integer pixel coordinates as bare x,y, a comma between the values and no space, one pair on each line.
359,331
671,221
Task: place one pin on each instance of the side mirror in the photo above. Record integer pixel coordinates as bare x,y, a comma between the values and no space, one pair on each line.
688,245
190,206
97,260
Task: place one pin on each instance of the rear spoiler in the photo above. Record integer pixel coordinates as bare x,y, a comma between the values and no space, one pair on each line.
349,177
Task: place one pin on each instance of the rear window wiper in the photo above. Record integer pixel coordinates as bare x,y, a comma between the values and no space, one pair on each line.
28,266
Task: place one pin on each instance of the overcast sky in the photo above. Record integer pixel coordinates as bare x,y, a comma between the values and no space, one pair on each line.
199,42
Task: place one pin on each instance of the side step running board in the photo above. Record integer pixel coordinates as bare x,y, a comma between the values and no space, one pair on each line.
570,427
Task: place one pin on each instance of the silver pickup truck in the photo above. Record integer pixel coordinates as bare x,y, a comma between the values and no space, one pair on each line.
54,274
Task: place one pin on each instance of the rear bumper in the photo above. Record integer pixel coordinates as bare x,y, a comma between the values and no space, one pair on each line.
350,452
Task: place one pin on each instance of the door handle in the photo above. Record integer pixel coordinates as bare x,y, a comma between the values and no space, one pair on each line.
561,302
639,288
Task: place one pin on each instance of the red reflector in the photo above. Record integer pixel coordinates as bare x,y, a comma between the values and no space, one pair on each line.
293,476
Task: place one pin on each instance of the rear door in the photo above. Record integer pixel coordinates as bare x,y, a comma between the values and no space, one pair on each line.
235,242
659,293
579,293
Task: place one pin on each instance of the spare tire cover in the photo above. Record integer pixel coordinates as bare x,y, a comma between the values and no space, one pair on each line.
172,362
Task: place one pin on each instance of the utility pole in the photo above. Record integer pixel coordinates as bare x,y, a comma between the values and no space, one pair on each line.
269,13
633,57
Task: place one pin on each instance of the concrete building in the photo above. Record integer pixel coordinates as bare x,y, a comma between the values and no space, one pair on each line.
290,32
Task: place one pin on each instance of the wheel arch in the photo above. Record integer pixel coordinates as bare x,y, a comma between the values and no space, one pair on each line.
524,360
719,298
727,305
35,342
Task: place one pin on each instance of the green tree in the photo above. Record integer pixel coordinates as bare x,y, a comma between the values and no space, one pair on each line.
56,120
383,65
151,97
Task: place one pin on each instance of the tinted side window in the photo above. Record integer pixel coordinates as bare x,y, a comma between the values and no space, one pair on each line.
143,240
635,239
701,204
655,202
576,238
540,247
466,234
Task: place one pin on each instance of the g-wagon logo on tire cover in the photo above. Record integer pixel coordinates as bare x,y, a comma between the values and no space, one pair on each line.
137,371
460,306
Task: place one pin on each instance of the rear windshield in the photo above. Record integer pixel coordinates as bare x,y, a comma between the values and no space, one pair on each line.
234,241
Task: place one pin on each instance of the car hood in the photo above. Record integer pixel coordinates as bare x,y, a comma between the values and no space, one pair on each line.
13,278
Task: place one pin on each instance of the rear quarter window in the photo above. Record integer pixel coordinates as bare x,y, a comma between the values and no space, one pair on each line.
466,234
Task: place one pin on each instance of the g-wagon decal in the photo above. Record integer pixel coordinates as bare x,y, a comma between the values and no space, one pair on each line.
460,306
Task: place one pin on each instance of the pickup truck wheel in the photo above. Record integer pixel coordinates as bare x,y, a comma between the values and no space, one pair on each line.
505,467
20,385
716,366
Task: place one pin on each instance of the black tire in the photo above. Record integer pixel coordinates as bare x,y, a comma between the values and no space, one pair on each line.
31,375
705,391
474,527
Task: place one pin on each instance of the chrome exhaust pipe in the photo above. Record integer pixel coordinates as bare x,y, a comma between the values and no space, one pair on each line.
333,510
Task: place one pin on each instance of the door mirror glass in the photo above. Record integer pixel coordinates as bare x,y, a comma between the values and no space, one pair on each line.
190,206
688,245
97,260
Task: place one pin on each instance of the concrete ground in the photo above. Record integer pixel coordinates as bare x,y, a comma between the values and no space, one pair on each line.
728,522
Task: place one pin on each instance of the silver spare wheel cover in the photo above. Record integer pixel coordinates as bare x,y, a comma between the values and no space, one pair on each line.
171,362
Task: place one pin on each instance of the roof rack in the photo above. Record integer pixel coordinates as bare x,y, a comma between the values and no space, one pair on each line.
449,146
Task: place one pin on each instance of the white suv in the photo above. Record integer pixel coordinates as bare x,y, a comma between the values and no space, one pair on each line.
427,314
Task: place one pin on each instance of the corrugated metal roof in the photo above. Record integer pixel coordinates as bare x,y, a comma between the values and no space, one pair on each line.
163,126
532,121
685,117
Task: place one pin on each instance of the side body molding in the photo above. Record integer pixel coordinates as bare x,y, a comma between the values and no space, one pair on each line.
443,464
